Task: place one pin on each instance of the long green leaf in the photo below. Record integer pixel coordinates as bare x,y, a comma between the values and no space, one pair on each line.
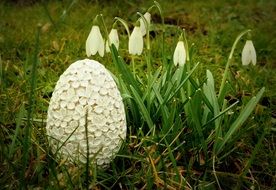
30,110
17,129
173,93
221,113
142,106
193,108
152,82
160,100
209,90
123,70
245,113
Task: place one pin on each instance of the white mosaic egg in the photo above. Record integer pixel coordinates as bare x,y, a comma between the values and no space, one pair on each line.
86,95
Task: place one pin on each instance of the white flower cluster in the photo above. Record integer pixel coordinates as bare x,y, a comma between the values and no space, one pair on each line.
95,42
86,95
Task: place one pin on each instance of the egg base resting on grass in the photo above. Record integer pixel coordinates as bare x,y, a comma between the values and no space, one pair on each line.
86,96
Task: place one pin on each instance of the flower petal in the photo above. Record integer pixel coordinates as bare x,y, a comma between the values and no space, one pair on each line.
100,42
135,44
101,47
249,53
95,42
147,16
114,39
179,56
88,44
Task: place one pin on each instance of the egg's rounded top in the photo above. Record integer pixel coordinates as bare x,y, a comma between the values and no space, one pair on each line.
86,97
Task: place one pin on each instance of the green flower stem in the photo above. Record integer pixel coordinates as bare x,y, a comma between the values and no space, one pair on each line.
187,60
148,52
147,44
163,29
95,20
124,23
133,64
148,57
229,61
105,28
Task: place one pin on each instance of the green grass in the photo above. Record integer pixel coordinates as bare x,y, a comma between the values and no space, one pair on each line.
180,134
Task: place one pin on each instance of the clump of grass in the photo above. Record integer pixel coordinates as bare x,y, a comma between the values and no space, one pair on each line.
184,132
203,112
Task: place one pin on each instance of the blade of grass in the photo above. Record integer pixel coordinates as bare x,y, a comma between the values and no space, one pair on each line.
49,15
174,92
129,104
63,143
152,82
205,99
70,184
17,130
193,107
164,108
239,121
253,155
1,75
87,153
173,160
28,129
123,70
142,106
221,113
209,90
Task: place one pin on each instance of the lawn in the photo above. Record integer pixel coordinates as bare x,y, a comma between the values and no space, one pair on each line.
209,124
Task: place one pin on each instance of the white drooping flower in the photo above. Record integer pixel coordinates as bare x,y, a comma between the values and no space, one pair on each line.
143,27
179,56
86,97
249,53
114,39
95,42
136,43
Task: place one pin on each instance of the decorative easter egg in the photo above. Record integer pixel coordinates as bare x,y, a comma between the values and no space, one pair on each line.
86,105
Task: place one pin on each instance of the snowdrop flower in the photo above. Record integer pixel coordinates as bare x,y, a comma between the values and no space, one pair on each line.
179,56
95,42
114,39
143,27
249,53
135,43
